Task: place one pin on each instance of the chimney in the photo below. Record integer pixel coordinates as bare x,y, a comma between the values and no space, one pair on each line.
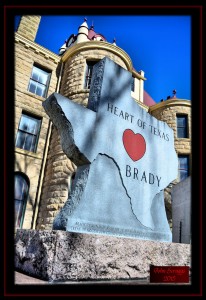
28,26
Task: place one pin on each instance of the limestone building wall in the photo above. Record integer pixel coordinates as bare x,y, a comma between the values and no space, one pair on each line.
30,163
168,113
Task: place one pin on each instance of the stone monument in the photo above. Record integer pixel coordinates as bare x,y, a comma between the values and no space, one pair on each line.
125,159
113,225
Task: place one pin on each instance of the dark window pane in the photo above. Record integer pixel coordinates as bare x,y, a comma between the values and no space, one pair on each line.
28,142
21,187
90,68
183,174
32,126
88,76
183,167
89,83
29,124
183,162
181,121
20,197
18,187
27,135
39,82
181,132
18,213
20,139
132,84
43,77
181,126
33,143
24,123
41,90
32,86
35,74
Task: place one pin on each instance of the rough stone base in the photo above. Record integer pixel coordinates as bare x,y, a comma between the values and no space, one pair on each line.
59,255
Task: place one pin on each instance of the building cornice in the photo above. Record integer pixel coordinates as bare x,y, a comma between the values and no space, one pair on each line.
169,103
101,45
137,75
37,48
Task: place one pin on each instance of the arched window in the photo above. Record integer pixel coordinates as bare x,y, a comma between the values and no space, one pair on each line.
21,189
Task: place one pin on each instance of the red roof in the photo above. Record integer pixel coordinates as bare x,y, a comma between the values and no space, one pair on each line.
92,34
147,99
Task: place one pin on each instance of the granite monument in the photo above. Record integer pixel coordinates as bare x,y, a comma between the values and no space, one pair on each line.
124,156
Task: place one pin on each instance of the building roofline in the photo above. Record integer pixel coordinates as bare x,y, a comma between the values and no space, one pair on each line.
103,46
137,75
30,44
169,103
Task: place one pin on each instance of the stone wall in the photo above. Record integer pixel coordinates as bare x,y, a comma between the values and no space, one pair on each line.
59,170
30,163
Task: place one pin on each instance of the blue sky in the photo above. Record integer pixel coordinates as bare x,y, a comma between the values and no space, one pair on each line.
158,45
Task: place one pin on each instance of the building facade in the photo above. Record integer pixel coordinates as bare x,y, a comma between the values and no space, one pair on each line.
43,173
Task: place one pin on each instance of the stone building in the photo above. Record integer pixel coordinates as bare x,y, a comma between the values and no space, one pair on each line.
43,173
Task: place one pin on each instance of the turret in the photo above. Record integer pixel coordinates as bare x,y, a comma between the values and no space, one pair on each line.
83,32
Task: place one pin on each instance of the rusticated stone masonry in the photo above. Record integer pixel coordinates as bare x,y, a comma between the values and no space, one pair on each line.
26,162
56,183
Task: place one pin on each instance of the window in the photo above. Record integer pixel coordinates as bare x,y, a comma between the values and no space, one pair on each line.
21,189
132,84
72,180
88,76
183,167
39,82
28,133
182,126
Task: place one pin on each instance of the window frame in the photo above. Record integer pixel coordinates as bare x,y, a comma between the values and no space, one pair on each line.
37,82
27,133
185,127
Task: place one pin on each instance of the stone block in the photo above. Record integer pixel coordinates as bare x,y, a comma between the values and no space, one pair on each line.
58,256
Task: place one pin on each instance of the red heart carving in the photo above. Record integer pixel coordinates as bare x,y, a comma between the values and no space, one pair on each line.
134,144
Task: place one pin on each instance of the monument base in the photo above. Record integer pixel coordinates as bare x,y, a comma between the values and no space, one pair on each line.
56,255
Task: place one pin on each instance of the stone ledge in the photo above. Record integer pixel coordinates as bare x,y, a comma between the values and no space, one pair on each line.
56,255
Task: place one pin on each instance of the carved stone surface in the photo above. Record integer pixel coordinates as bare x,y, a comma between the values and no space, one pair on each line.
60,255
127,157
181,211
